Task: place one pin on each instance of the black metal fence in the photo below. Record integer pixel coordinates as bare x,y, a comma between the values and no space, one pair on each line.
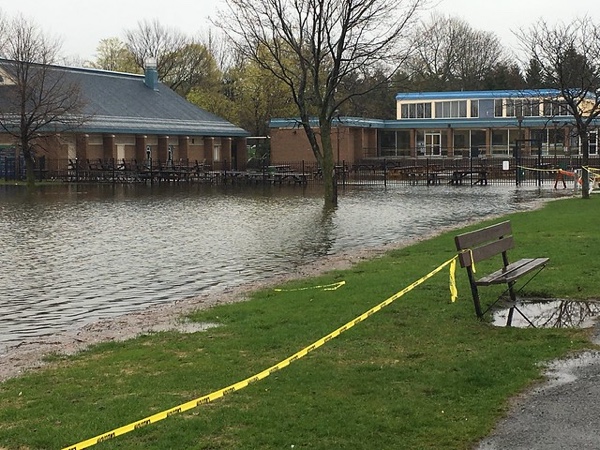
377,171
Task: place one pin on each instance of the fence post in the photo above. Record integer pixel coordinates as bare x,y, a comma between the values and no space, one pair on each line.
384,172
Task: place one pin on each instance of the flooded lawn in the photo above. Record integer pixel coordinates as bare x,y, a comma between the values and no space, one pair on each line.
71,255
551,313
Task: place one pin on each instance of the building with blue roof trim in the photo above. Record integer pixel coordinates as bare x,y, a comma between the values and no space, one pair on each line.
135,117
451,124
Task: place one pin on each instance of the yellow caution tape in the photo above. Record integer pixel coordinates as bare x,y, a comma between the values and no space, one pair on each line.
591,169
534,169
261,375
325,287
453,289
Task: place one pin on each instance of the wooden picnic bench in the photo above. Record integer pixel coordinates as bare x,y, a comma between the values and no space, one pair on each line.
486,243
458,176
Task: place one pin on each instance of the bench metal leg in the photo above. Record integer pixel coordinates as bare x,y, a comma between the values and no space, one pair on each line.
513,298
475,293
513,308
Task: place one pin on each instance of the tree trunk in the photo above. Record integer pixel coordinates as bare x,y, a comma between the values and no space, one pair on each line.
328,167
29,164
585,161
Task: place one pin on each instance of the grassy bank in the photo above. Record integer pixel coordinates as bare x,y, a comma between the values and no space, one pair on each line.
421,373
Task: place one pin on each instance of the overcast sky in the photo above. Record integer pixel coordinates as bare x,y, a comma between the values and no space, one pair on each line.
81,24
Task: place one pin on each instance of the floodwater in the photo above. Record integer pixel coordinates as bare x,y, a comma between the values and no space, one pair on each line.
550,313
70,255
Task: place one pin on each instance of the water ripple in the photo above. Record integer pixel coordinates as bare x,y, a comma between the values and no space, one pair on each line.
70,255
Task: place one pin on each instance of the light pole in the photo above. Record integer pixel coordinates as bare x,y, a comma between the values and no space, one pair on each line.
555,122
518,151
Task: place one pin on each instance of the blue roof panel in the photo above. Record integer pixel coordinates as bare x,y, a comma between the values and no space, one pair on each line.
474,95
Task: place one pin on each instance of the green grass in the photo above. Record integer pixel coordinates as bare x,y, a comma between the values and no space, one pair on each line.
423,373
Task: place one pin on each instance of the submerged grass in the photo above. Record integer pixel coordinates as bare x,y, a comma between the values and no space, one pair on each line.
421,373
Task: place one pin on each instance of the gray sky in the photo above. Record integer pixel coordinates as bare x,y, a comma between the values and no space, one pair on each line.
81,24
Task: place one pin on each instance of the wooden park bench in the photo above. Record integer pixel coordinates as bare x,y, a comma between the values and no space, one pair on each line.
487,243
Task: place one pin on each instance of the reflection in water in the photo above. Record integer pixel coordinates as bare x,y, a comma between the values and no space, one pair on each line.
552,314
74,254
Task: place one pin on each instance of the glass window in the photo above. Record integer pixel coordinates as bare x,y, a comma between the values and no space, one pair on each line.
462,108
404,111
446,109
461,139
563,109
548,108
539,136
388,139
478,138
500,142
500,137
593,142
519,108
456,108
415,111
403,139
474,108
534,106
420,112
498,108
510,109
453,109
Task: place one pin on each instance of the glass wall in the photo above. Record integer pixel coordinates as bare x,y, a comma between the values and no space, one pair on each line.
462,142
478,144
387,143
394,143
403,143
500,144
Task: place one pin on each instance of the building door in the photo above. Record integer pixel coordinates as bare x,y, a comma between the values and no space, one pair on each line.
433,143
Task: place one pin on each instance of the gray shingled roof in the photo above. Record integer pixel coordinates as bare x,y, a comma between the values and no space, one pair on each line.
121,103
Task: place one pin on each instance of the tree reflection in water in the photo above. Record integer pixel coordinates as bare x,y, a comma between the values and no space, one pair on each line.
559,313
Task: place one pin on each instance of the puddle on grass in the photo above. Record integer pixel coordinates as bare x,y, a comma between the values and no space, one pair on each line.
551,313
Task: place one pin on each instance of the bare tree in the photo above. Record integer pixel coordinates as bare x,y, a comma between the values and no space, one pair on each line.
113,55
181,62
37,100
567,57
192,65
217,45
450,54
313,46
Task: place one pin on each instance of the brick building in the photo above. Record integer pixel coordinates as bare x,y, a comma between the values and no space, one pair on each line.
447,125
132,117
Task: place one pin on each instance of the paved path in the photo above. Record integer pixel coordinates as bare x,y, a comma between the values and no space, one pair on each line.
563,413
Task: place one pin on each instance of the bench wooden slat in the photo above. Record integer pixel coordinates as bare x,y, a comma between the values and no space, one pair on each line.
512,271
485,243
485,251
475,238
